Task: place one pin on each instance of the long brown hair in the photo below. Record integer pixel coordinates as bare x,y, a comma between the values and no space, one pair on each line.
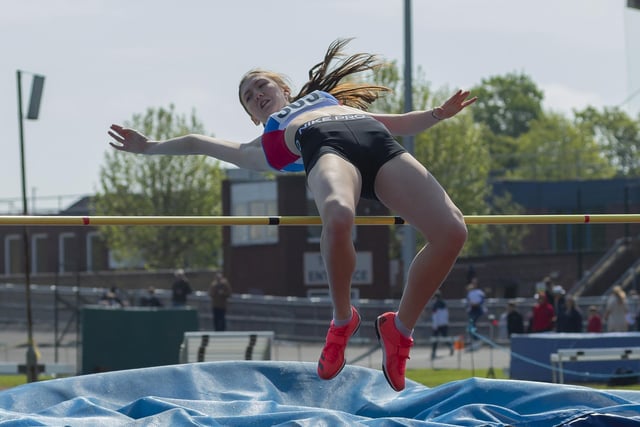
350,93
326,77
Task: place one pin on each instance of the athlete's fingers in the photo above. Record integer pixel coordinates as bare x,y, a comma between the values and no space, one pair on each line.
116,136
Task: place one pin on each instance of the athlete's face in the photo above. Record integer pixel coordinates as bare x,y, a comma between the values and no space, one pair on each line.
261,97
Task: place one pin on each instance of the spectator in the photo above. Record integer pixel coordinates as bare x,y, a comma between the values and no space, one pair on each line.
475,305
542,314
632,315
111,298
181,289
440,323
548,285
615,313
515,321
594,322
558,302
570,318
150,299
503,332
219,292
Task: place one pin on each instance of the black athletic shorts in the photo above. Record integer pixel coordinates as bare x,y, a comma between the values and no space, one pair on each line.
358,138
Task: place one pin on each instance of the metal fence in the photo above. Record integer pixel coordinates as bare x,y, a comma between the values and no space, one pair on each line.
57,309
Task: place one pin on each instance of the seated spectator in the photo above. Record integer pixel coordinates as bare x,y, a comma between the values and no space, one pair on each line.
150,299
111,299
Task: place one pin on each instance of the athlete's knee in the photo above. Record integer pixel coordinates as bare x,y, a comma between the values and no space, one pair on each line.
451,236
337,217
458,234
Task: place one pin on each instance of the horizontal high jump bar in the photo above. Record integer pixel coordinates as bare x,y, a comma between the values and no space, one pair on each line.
303,220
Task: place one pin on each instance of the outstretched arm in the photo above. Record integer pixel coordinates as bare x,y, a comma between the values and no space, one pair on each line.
414,122
247,156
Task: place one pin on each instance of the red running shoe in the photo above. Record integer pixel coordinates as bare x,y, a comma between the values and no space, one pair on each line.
395,350
332,360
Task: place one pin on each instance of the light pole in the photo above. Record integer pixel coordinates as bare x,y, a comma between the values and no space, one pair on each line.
32,114
409,234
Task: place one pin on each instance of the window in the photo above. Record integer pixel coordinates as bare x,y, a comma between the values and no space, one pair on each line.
13,254
67,253
254,199
38,253
97,255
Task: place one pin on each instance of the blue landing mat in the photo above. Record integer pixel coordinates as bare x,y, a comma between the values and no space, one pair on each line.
290,393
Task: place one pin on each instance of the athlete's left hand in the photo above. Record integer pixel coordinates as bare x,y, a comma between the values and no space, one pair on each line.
454,105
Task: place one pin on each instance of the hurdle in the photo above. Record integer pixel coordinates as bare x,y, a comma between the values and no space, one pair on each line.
564,355
53,220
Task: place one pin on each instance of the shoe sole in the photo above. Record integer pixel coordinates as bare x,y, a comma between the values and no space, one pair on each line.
384,357
344,362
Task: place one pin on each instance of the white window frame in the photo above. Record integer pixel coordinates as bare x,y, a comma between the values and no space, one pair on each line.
89,253
7,252
254,199
35,240
62,237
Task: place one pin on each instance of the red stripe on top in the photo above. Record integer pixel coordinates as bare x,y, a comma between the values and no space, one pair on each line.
276,151
586,219
85,220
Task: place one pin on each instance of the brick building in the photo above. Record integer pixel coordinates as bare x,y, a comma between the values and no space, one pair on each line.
284,260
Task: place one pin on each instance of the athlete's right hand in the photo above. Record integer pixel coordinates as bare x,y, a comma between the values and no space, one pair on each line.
128,140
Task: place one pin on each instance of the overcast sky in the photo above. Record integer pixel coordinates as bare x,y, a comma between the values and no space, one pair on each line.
105,60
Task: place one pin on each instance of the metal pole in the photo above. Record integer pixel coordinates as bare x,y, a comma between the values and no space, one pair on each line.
32,357
275,221
409,234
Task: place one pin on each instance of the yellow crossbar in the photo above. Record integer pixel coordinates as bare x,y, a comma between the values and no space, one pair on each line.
303,220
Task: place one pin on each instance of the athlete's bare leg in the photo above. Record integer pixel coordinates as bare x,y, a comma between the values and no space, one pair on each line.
408,189
335,185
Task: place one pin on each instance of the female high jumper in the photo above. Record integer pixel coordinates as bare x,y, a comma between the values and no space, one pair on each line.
347,154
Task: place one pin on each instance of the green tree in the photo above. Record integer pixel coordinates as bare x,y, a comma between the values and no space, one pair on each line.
161,185
554,149
506,105
617,135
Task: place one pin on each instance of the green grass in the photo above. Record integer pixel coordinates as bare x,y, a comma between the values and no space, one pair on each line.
436,377
8,381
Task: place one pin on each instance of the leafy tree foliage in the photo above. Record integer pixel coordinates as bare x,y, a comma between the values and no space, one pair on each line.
506,106
554,149
161,185
617,135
